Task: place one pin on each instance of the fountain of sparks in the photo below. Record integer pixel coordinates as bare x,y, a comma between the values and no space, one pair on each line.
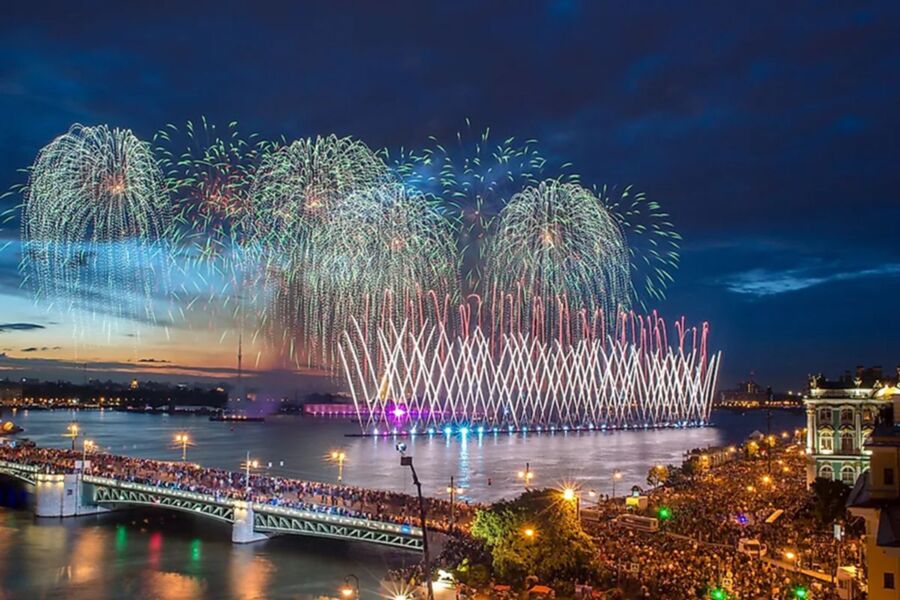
407,379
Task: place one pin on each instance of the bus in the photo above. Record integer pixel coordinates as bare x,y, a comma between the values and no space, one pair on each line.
638,522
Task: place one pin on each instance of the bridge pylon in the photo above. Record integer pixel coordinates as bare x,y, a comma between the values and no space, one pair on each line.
242,532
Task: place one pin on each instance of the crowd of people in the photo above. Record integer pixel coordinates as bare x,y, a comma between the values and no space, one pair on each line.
697,546
332,499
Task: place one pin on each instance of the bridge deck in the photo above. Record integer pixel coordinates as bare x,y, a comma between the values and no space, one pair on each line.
267,519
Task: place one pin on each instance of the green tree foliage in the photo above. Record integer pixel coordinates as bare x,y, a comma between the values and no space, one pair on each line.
557,549
658,475
830,499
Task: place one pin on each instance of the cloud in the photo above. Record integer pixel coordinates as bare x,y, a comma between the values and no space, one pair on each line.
768,282
19,327
29,349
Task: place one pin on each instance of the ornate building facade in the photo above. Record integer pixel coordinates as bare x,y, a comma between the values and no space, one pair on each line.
840,417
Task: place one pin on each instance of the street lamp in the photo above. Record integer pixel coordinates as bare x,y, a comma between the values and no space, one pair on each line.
528,532
616,476
569,494
85,446
183,440
348,590
247,465
453,491
338,456
526,476
407,461
73,432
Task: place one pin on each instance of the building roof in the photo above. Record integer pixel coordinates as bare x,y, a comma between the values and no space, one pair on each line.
885,435
888,535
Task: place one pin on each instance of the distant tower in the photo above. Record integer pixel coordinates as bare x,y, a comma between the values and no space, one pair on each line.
240,387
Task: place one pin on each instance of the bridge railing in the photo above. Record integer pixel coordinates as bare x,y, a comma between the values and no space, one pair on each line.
33,473
309,515
29,473
156,489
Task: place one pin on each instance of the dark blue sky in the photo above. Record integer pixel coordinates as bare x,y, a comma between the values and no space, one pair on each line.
769,130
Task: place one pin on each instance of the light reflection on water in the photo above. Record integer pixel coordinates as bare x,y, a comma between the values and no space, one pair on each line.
301,445
168,555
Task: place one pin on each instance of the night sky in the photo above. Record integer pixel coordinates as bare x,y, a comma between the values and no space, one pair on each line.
769,131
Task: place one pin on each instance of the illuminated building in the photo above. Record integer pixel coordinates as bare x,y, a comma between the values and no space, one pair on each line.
840,416
876,498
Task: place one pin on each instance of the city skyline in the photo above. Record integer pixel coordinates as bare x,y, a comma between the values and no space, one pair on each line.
777,248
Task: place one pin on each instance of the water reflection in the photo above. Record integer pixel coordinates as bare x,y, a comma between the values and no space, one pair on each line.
155,554
249,574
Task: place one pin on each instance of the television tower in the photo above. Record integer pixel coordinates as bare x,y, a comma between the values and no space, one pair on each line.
240,387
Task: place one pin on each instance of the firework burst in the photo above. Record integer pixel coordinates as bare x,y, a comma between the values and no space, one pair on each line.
558,244
95,221
391,255
474,175
652,240
290,226
209,174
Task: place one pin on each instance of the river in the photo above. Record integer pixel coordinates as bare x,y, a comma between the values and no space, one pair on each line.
152,554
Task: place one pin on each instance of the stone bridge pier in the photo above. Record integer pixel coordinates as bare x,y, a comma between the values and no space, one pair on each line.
242,531
61,496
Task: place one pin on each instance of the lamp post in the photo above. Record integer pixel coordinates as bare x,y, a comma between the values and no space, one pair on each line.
73,432
183,440
338,456
350,592
85,446
407,461
617,475
453,491
248,464
526,476
569,494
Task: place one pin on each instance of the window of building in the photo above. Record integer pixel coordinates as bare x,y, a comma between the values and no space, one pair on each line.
888,476
848,475
826,442
888,581
846,415
826,472
825,416
867,415
846,442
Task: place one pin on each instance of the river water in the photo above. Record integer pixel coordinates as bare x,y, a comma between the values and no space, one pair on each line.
157,554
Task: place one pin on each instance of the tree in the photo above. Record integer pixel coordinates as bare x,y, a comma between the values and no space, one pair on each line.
830,499
537,534
657,475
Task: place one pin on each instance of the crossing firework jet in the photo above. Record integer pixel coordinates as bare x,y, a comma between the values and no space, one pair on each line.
95,222
557,248
291,224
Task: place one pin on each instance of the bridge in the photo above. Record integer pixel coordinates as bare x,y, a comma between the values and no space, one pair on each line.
75,494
